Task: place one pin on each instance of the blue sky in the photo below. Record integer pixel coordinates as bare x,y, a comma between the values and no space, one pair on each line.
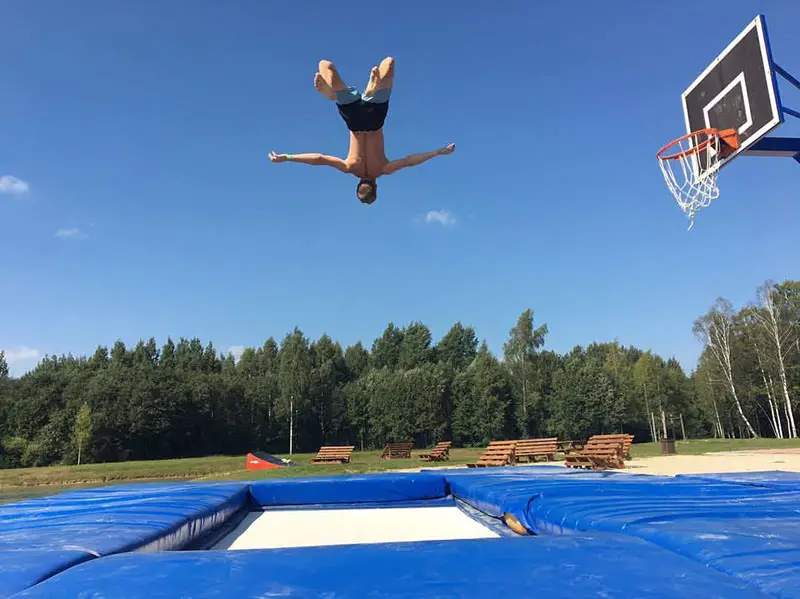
138,133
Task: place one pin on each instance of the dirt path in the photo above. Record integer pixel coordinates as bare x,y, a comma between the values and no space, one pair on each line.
726,461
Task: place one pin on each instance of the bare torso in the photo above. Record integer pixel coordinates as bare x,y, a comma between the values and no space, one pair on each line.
366,158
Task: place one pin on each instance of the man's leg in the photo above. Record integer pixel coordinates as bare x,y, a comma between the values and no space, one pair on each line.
330,84
381,77
330,76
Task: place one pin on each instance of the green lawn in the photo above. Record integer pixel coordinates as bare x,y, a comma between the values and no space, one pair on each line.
24,482
52,479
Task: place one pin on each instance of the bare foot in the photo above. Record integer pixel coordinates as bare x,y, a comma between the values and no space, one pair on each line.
323,88
374,81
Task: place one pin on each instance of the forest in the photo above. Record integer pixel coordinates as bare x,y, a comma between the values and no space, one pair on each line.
187,399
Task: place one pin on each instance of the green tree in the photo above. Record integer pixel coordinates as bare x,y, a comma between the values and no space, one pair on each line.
458,347
484,412
415,348
356,361
386,349
520,354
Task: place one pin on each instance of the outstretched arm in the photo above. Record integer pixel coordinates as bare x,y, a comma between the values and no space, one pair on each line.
415,159
313,159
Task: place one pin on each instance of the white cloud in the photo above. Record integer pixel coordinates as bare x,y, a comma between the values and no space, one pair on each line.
20,354
12,185
70,233
236,351
443,217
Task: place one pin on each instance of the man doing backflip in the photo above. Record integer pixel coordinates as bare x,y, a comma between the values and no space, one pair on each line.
364,113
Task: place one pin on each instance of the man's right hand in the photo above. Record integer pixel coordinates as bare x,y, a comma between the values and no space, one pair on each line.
277,157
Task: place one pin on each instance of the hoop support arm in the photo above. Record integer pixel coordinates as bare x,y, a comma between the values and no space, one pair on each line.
790,112
788,147
786,75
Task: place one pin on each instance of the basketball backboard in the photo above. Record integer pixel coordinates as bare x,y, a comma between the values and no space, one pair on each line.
738,90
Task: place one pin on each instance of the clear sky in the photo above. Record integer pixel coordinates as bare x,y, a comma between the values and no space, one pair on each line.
138,132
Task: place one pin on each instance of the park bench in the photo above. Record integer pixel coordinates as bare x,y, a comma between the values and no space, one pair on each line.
598,454
394,451
439,453
498,453
626,442
531,449
569,445
333,454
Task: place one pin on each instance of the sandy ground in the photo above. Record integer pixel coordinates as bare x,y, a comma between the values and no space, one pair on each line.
725,461
306,528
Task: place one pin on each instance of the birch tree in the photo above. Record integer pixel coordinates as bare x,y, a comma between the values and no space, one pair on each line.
756,334
82,429
714,331
782,333
644,376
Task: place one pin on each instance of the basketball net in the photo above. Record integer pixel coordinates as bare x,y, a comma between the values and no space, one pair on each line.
692,187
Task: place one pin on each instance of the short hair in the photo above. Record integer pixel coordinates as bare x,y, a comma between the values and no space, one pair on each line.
367,191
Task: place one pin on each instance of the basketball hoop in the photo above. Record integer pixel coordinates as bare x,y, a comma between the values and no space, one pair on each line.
694,184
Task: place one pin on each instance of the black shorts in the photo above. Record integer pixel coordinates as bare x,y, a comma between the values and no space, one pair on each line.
360,114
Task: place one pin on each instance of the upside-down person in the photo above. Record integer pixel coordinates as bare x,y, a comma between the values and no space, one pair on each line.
364,113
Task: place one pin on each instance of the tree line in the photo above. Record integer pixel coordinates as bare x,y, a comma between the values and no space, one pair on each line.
187,399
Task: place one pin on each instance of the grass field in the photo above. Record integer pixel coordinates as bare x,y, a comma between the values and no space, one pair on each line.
25,482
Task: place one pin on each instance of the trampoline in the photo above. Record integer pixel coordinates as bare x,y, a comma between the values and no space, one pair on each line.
432,534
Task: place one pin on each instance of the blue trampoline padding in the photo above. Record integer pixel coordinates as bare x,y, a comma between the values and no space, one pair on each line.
349,489
125,518
22,569
496,492
752,533
610,566
775,479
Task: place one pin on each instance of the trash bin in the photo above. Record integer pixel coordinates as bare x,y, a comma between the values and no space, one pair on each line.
668,446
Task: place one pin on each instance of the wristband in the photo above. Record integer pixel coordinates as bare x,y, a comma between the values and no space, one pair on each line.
288,157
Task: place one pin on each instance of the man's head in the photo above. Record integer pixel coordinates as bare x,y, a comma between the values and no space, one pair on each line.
367,191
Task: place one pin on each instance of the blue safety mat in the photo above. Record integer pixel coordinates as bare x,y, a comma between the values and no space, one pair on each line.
384,487
124,518
775,479
750,532
521,470
21,569
610,566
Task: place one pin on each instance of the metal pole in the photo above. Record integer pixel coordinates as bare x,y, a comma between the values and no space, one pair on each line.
683,430
291,424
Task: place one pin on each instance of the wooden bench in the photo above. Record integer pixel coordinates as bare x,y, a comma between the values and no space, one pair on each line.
626,442
498,453
439,453
569,445
531,449
394,451
333,454
597,454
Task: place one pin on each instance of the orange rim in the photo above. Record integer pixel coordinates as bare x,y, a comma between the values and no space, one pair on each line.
729,137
